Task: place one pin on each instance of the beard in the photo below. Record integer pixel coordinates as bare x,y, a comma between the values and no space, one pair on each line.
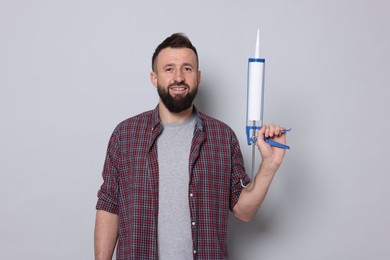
177,103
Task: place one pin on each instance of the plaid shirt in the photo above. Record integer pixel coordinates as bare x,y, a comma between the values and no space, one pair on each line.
130,187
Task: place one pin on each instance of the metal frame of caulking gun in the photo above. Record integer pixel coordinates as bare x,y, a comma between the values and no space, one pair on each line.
255,103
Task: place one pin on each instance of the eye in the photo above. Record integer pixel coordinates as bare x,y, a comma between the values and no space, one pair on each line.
168,69
187,69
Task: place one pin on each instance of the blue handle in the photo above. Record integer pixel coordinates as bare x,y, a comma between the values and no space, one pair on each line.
268,141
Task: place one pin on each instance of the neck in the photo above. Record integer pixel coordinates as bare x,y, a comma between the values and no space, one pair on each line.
168,117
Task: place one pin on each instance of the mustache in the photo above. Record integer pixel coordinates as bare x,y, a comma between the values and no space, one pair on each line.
178,83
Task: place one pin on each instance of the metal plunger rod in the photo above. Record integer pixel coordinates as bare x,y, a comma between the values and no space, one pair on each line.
253,150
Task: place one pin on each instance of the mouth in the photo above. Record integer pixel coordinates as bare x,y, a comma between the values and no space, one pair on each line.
178,90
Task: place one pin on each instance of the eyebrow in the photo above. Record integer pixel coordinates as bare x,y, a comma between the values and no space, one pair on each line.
188,64
174,65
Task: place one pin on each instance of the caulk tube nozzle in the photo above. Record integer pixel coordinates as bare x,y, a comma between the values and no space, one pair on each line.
257,51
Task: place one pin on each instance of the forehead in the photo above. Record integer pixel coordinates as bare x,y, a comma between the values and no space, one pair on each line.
176,56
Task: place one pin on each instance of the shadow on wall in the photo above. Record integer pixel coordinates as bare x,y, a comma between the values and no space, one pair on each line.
252,236
293,194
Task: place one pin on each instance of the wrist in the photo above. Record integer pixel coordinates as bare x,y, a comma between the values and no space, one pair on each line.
269,167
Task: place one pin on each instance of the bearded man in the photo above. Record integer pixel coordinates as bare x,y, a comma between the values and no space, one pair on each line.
172,174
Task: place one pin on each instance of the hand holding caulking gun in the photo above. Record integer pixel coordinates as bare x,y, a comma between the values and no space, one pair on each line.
255,103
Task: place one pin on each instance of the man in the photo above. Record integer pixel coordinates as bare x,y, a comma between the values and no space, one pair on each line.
172,174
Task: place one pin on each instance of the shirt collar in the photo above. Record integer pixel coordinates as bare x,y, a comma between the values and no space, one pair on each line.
198,118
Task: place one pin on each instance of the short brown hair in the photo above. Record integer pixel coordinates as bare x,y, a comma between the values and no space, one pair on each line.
176,40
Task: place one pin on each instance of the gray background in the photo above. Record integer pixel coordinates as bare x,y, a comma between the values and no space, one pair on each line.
71,70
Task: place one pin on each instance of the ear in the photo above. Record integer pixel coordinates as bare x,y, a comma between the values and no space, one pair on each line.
153,78
199,77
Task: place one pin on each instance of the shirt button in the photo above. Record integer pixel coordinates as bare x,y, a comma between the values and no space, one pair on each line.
193,223
191,195
194,251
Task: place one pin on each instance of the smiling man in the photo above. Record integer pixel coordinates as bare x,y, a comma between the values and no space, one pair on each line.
176,76
172,174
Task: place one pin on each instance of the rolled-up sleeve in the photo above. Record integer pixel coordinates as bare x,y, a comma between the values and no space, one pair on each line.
238,175
108,193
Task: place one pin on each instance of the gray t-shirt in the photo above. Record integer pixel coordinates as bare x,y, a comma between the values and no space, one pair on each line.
174,224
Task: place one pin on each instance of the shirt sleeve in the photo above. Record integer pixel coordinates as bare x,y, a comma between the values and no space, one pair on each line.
108,193
238,175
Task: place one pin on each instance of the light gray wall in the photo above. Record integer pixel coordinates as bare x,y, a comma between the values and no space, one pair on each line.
71,70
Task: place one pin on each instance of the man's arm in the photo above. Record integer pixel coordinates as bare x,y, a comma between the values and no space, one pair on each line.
106,234
253,196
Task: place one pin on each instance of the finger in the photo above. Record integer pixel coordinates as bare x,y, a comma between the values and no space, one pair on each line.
261,134
278,130
272,130
268,130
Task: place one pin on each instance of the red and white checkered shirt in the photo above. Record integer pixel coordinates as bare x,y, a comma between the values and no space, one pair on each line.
130,187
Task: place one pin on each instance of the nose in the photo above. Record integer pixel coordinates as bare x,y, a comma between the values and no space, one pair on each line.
179,76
